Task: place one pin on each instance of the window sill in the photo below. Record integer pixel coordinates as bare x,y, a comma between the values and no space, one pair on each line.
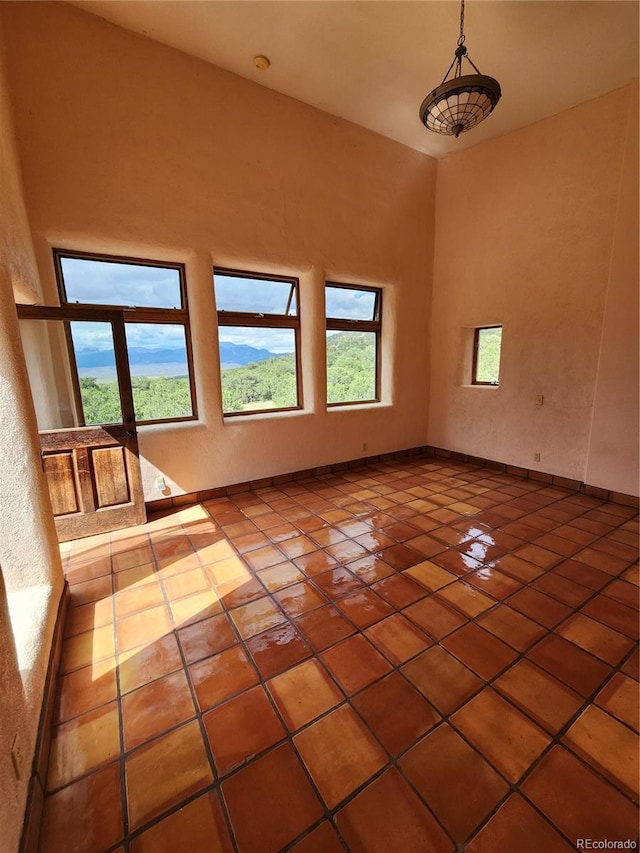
358,407
245,417
483,387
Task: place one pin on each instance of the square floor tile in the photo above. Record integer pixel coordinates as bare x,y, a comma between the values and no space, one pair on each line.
569,664
339,753
282,575
465,598
399,591
620,698
138,597
412,715
364,608
370,569
397,638
86,815
155,708
83,744
142,665
596,638
186,583
316,563
434,617
355,663
614,615
277,649
86,617
513,628
207,637
429,575
201,822
195,608
516,826
513,745
87,648
300,598
539,607
578,801
234,594
548,702
263,558
271,802
256,617
562,589
483,653
337,583
304,693
454,779
86,689
219,677
387,815
140,629
607,745
241,728
493,582
440,677
164,772
324,627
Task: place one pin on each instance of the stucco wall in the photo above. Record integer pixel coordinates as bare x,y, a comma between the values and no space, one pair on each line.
525,229
134,148
30,571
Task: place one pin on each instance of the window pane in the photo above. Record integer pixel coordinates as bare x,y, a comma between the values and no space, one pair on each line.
254,295
488,355
346,304
351,367
96,363
99,282
159,371
258,368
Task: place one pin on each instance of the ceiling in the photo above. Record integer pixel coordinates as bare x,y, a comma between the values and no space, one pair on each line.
373,62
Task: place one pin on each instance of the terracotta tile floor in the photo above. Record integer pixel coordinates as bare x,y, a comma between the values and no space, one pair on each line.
416,655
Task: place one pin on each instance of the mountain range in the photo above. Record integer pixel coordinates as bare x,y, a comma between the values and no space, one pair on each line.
231,355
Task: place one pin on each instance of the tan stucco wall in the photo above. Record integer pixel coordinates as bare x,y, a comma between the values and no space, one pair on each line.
612,462
30,571
132,147
526,226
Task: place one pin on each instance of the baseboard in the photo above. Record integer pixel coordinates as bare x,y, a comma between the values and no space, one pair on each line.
191,498
29,842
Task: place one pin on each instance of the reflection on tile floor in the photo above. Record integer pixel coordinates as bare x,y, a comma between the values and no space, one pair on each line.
416,655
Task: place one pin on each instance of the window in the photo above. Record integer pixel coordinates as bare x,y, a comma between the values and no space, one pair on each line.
486,355
259,340
152,297
353,343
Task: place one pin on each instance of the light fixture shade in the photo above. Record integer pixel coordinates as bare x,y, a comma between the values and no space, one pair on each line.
459,104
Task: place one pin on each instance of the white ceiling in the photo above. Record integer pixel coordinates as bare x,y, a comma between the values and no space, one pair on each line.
373,62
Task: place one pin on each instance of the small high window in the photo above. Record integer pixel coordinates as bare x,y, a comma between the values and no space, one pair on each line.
353,343
152,298
259,340
486,355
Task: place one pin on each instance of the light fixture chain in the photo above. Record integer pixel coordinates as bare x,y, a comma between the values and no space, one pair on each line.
461,37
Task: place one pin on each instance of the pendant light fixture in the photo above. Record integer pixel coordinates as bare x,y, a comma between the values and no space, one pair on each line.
462,102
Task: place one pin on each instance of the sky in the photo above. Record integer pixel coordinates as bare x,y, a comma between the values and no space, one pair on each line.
108,283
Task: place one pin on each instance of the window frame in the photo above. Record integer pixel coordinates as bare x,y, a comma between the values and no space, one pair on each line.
248,319
131,314
474,365
334,324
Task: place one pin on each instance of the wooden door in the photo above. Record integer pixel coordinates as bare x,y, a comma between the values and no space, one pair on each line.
92,469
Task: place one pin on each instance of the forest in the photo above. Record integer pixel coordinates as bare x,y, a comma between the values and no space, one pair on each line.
267,384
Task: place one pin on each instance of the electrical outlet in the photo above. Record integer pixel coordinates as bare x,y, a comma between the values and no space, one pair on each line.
539,399
536,457
160,484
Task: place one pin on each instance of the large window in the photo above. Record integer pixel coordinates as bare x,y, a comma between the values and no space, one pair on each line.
259,339
353,343
152,297
487,344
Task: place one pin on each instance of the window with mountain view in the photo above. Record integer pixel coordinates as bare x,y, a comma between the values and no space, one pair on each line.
152,298
353,342
486,355
258,337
